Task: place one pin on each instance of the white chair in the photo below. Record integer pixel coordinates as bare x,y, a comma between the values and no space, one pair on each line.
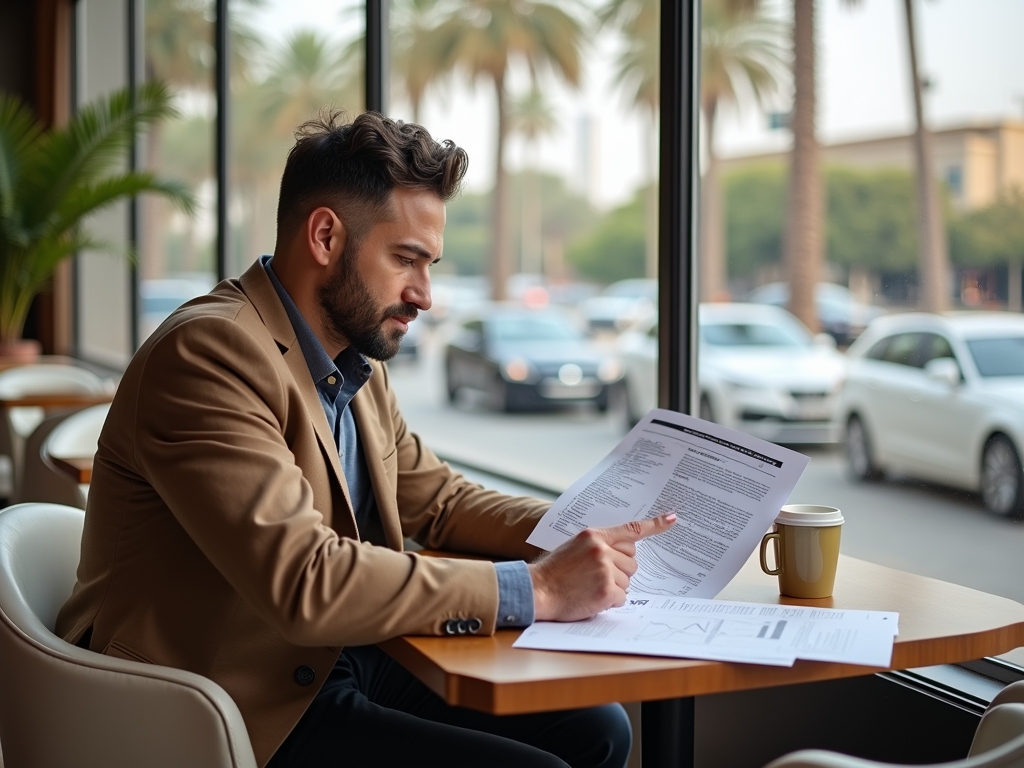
71,434
65,706
998,742
35,379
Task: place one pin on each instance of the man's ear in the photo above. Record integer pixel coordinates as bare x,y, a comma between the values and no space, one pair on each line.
325,235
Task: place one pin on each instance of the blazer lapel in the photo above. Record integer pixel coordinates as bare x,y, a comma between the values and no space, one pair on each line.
372,441
257,286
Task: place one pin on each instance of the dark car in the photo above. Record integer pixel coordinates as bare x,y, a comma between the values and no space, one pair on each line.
524,359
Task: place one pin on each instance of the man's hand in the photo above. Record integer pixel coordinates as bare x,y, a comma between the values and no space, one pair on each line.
591,571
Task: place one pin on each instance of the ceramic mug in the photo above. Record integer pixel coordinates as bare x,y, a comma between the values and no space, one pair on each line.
806,540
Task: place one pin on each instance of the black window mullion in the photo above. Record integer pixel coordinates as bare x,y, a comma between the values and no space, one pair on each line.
223,54
135,68
377,55
679,180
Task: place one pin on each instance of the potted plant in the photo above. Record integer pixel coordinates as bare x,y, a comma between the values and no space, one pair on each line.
52,179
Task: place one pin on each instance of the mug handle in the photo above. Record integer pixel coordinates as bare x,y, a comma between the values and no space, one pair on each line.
764,560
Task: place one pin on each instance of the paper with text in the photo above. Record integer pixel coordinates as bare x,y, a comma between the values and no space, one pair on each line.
726,488
720,630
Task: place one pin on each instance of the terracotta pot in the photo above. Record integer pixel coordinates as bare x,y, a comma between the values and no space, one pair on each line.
20,351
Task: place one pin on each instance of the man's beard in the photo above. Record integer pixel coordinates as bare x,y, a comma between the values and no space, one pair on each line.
352,314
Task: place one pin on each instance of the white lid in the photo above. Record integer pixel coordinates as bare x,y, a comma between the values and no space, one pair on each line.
809,515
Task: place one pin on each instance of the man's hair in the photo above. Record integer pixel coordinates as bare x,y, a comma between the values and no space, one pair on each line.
354,167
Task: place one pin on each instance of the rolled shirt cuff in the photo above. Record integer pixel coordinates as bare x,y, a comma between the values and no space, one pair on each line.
515,594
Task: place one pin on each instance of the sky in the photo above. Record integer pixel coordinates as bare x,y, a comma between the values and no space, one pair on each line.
969,49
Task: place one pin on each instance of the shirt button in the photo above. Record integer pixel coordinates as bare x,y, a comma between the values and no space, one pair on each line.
510,619
304,675
331,380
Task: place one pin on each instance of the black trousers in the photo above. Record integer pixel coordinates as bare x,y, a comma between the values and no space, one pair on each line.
372,713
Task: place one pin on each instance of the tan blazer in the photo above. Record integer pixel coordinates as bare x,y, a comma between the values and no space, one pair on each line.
219,537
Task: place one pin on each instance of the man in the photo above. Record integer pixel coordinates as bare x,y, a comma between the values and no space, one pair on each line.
254,482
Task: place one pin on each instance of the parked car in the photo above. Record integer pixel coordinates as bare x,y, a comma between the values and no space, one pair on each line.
840,314
759,370
526,359
621,305
941,398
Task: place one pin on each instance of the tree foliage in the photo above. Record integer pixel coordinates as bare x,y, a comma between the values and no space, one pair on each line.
989,236
614,250
870,218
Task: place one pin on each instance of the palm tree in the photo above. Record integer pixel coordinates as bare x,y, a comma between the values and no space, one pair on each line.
638,71
803,238
933,251
743,56
481,39
416,61
532,117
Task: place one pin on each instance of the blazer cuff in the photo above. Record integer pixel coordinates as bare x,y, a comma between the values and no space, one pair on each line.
515,594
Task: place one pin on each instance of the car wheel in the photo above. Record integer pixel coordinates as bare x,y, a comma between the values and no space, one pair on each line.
1002,484
706,411
859,460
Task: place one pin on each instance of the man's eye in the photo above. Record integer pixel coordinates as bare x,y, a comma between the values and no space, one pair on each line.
406,262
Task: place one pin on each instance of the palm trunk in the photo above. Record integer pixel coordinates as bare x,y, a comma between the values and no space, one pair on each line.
933,258
804,225
713,279
501,253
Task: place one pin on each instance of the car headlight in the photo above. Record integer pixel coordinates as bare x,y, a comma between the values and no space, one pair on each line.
517,369
609,370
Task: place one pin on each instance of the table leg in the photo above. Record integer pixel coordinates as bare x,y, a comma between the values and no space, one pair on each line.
667,733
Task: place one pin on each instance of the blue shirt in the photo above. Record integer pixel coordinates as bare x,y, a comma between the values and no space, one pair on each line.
337,382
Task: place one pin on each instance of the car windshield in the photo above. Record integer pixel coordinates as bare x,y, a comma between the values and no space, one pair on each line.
998,357
533,328
750,335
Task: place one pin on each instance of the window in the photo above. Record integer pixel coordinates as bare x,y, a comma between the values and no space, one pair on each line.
904,349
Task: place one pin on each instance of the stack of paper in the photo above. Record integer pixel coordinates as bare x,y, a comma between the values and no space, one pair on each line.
719,630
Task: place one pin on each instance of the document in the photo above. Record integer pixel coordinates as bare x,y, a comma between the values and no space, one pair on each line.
720,630
725,487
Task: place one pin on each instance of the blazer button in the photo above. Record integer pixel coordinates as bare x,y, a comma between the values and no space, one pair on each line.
304,675
474,626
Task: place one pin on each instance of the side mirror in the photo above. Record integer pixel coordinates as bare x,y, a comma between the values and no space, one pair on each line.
944,370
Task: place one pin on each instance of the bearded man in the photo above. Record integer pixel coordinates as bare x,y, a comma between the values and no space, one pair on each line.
255,480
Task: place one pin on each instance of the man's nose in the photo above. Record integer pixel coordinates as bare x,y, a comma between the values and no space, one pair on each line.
418,293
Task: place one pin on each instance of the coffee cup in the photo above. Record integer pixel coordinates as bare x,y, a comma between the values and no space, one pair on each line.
806,540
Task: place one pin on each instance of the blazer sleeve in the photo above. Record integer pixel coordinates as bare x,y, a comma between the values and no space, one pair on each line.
213,422
440,509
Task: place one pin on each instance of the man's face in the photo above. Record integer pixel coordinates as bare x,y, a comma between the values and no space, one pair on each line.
377,288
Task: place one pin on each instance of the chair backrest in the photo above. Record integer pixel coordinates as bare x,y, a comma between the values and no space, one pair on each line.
48,378
62,705
78,433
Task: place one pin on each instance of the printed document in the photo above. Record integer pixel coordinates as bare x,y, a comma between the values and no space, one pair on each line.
725,487
720,630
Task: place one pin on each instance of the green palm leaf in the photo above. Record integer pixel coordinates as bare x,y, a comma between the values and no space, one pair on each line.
94,142
51,180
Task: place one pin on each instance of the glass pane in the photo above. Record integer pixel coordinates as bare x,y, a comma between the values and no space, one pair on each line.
816,202
289,59
561,231
103,280
177,260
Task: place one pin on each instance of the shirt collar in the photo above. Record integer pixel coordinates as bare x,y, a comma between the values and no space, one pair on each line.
353,366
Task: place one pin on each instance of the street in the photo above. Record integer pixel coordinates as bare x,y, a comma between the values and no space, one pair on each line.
937,532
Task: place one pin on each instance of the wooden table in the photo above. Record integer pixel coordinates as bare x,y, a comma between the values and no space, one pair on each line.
57,400
940,623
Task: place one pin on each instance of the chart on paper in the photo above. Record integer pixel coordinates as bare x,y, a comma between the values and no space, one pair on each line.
720,630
